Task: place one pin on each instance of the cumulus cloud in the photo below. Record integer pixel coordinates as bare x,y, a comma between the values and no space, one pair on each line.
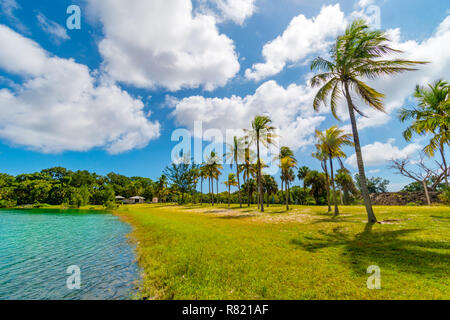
163,44
62,106
301,39
380,153
229,10
289,108
57,32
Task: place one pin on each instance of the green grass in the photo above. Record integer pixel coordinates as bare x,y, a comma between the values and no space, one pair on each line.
200,252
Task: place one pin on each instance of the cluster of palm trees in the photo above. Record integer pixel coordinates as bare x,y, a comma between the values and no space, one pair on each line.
359,53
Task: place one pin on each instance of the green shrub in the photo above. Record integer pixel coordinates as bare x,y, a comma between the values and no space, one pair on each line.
412,204
445,196
7,203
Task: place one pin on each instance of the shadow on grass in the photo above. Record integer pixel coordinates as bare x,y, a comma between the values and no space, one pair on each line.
242,216
383,248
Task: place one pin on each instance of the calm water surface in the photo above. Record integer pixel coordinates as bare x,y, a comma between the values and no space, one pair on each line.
37,247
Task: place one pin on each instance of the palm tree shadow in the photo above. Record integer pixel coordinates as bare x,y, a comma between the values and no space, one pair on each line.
383,248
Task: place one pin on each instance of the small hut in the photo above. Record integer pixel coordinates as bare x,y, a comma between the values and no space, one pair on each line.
136,200
120,199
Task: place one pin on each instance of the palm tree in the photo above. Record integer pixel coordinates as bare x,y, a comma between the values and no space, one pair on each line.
270,186
261,133
229,183
322,157
287,162
357,54
302,173
432,116
250,187
214,171
236,155
331,142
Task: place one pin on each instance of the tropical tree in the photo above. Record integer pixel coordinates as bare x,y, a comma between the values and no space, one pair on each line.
302,173
357,54
250,187
213,170
331,142
236,156
270,186
317,181
231,182
323,157
287,163
345,181
246,167
431,116
262,132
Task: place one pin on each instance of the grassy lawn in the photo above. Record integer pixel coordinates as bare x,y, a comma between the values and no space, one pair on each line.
201,252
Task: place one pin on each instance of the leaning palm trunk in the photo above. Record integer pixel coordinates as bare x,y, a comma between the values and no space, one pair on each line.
336,208
229,196
359,159
327,184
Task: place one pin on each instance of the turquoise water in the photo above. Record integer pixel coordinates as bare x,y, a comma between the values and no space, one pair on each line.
38,246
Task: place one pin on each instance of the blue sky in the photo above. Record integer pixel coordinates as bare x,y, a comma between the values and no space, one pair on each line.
133,74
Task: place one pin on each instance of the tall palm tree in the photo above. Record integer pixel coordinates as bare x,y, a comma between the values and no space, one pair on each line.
323,158
432,116
229,183
236,155
262,132
357,54
331,142
302,173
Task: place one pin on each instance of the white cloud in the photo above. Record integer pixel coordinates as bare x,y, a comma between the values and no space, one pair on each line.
62,106
289,108
365,3
163,44
302,38
55,30
379,153
234,10
7,9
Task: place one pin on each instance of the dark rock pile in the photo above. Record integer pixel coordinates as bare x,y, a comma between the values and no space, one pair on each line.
403,198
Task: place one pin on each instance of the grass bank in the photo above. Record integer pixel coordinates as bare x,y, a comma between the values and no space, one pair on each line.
201,252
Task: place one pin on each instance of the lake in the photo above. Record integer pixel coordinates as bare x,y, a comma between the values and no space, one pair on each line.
38,246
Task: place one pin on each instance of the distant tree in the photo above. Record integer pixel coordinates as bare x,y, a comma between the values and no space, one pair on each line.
236,156
374,184
250,187
182,178
270,187
231,182
345,181
302,173
317,182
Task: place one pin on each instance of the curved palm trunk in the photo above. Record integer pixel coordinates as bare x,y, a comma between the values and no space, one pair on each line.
359,159
212,191
327,184
259,176
229,196
441,149
336,208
